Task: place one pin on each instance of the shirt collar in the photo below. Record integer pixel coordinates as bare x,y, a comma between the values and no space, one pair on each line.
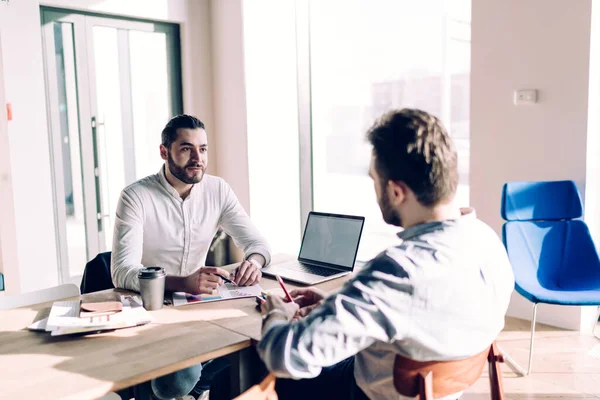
466,213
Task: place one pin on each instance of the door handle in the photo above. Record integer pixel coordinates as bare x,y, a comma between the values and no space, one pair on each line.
99,214
96,123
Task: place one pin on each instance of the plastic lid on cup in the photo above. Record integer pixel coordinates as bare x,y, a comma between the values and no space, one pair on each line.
151,272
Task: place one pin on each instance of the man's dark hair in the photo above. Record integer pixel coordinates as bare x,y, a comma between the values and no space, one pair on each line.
169,134
413,146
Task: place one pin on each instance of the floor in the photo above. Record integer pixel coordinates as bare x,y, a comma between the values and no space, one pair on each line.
566,364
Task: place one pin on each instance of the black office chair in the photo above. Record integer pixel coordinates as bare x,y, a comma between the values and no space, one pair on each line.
96,276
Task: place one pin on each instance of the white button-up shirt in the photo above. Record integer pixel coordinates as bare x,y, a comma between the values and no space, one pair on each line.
441,294
154,226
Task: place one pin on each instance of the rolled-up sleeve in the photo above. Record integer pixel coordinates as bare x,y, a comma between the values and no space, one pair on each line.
127,242
237,224
373,306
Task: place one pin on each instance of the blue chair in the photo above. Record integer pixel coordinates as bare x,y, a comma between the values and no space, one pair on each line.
550,248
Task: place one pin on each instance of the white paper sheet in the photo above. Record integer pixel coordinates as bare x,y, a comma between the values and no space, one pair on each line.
224,292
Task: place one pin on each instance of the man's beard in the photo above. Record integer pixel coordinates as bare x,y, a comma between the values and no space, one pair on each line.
180,172
390,216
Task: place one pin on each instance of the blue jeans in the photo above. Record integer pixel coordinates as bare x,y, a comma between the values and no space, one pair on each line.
176,384
195,380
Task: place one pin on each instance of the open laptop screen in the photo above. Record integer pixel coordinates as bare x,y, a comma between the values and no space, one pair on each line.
331,239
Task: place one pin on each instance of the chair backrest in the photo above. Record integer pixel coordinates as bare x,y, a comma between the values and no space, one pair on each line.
547,242
434,379
96,275
540,201
39,296
263,391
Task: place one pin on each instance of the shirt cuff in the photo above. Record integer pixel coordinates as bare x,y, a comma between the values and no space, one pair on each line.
259,249
253,261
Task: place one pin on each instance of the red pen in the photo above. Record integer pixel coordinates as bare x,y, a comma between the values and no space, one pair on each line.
287,294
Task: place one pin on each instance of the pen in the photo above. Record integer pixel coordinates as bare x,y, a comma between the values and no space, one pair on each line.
287,294
226,279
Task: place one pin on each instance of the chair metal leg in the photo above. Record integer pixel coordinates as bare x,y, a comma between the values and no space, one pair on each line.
596,323
532,335
512,364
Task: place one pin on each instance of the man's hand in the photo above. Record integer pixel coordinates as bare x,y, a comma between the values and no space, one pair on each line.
285,311
247,274
204,280
308,299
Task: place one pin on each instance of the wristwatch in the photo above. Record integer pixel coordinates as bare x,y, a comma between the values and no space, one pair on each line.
253,261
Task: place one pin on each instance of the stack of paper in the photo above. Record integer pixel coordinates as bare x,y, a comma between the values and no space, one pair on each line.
65,318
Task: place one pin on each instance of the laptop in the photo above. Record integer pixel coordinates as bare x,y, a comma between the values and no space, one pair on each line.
328,249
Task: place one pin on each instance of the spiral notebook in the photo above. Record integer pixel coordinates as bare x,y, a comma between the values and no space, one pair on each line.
227,291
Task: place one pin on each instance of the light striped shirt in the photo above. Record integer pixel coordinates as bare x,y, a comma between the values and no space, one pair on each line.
154,226
441,294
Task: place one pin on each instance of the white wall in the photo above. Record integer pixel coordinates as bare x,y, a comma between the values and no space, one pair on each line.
592,193
29,147
197,68
516,44
229,89
8,245
28,132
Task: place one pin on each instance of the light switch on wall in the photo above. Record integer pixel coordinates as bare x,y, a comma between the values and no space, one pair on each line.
525,96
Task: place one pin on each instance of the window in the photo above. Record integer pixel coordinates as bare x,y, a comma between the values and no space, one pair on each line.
367,57
351,61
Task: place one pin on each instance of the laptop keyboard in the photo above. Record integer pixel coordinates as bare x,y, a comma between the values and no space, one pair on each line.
311,269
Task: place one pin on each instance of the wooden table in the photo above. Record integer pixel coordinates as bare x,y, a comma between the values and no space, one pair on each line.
36,365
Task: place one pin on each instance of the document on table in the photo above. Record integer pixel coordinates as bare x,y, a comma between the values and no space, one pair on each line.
227,291
64,318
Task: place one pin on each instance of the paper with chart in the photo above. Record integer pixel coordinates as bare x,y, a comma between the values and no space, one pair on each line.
224,292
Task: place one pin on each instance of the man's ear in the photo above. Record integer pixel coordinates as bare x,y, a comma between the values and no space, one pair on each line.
397,192
163,152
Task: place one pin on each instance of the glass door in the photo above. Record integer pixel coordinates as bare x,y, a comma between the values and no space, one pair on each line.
131,101
111,86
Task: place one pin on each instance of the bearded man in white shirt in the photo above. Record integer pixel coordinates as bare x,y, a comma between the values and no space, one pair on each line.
169,220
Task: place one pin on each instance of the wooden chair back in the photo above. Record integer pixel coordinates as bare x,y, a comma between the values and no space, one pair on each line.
434,379
262,391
